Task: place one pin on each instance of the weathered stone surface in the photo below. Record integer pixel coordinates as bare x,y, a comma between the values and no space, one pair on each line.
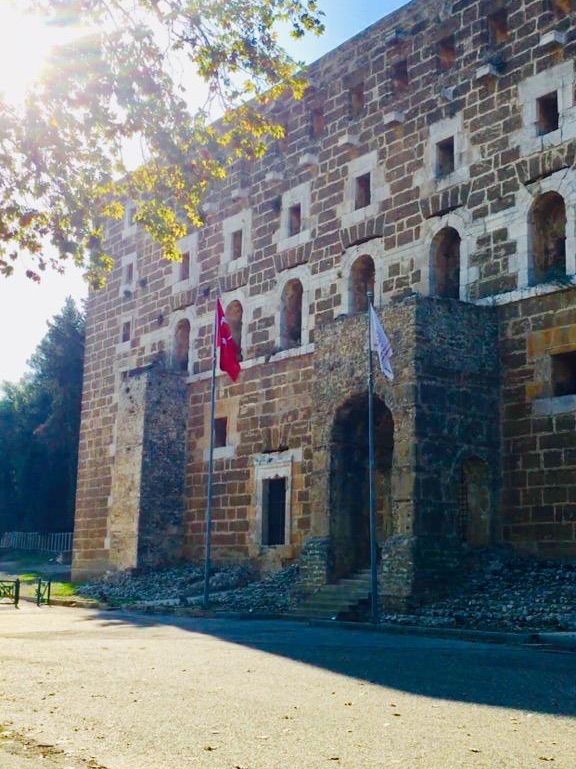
474,444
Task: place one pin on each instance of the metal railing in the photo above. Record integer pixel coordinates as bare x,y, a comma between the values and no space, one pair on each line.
60,542
43,590
10,590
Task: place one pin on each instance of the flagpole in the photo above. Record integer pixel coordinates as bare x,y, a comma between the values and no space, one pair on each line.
210,470
371,490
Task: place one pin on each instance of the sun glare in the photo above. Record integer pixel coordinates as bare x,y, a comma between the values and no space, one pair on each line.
25,42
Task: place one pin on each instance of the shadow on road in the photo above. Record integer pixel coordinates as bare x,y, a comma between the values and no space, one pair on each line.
486,674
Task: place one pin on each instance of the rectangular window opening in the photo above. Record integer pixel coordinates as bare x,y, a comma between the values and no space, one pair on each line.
185,267
274,512
237,244
447,52
547,113
357,100
220,432
445,163
564,374
400,76
363,191
498,26
129,274
294,219
126,331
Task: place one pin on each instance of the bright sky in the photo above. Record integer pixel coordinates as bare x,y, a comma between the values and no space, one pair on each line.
25,307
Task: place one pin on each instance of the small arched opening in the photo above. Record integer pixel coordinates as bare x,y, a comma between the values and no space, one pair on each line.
291,315
547,243
475,509
182,345
234,313
349,483
362,277
445,264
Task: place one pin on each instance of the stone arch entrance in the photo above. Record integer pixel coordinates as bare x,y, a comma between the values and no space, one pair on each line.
349,506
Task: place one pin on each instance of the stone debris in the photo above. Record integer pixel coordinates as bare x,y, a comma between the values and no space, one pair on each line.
168,586
232,588
504,591
276,593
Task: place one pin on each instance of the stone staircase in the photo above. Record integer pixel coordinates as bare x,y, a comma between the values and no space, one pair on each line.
342,599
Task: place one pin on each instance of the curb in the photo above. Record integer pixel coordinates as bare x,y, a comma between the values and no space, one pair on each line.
456,634
545,640
557,641
73,603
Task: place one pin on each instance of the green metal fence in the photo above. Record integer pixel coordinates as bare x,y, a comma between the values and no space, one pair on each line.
10,590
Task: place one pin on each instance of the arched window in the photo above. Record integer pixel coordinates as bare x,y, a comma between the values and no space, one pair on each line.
291,315
234,314
475,513
445,264
182,345
547,242
361,281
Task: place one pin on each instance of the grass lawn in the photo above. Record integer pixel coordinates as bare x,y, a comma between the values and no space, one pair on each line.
29,581
29,567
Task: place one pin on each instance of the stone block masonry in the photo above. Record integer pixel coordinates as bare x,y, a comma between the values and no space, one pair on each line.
432,162
539,429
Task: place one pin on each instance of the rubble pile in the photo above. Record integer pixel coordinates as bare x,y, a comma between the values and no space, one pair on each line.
171,586
274,594
502,591
235,588
505,591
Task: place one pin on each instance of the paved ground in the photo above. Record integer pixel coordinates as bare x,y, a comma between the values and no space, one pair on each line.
86,690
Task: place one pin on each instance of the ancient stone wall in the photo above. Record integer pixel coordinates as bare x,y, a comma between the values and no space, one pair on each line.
415,163
539,431
457,420
161,518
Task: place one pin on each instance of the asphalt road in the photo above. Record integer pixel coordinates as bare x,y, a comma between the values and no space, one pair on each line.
86,690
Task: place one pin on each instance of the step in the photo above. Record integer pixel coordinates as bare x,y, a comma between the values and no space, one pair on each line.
348,594
327,604
331,600
345,595
330,605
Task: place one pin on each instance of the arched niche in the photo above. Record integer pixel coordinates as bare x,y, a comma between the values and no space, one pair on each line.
291,315
547,238
362,278
445,264
234,314
182,345
475,509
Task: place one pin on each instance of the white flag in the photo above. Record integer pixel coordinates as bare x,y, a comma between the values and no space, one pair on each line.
381,345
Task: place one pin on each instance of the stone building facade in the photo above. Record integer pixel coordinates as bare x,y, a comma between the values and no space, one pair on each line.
431,161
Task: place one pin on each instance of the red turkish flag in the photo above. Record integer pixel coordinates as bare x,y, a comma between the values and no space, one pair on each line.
226,344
